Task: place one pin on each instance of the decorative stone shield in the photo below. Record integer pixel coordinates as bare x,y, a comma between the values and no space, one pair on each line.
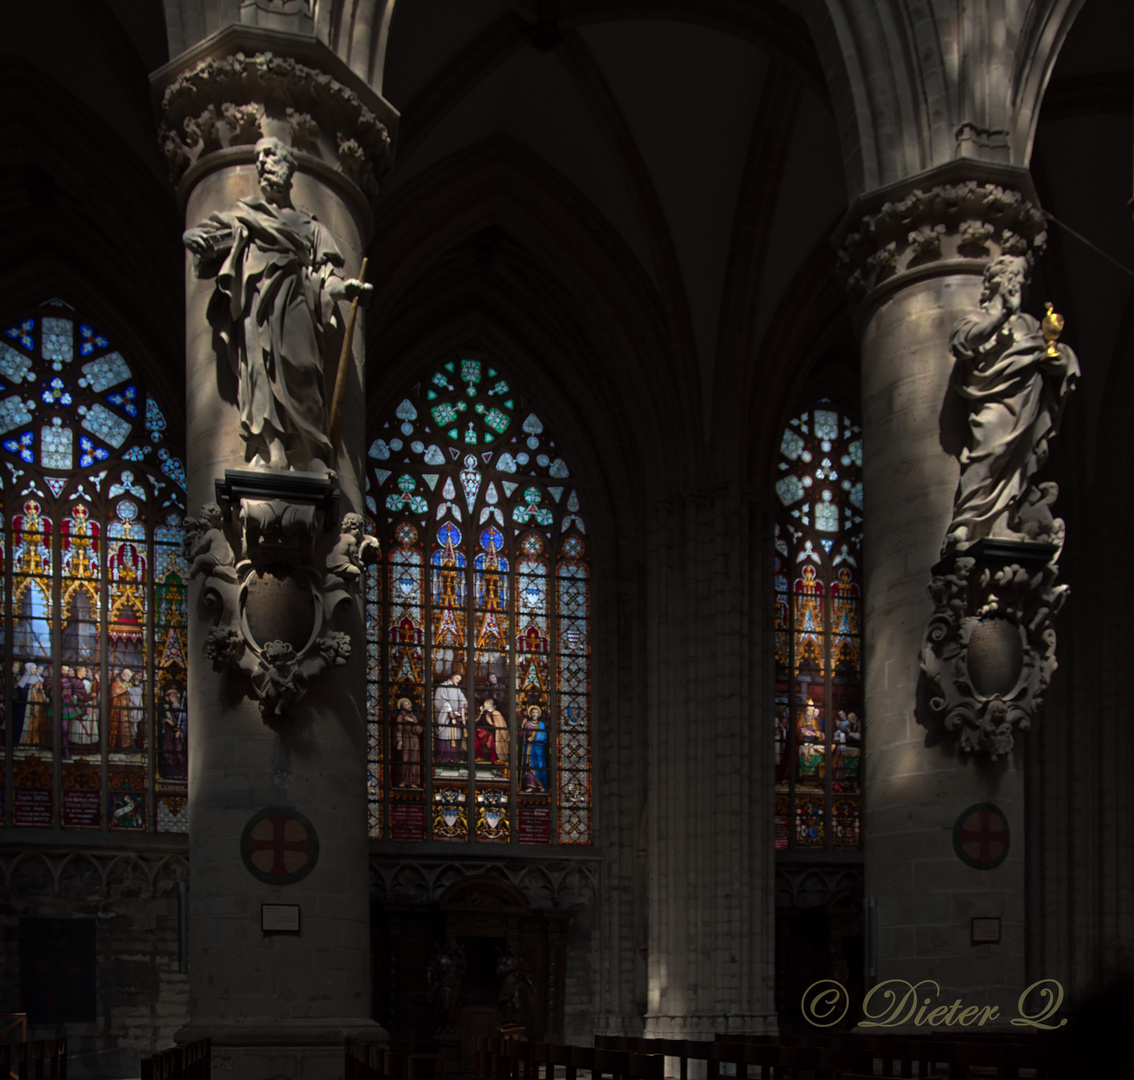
995,656
279,604
989,648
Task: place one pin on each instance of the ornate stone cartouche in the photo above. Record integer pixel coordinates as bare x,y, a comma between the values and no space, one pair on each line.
276,607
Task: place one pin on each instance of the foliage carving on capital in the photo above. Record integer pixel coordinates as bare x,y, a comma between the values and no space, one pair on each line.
234,100
243,123
969,220
304,130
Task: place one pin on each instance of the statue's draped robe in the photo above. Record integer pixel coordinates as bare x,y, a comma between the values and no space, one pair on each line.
272,310
1015,394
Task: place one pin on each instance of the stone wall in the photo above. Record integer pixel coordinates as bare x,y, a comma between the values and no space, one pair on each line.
141,997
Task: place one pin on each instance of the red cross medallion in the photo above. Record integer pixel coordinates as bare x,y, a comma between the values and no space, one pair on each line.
980,836
279,846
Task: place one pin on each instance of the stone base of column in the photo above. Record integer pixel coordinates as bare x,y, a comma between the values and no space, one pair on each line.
702,1027
278,1049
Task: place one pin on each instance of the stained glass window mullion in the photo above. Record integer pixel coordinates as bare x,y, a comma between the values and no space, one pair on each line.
54,694
151,718
104,673
8,682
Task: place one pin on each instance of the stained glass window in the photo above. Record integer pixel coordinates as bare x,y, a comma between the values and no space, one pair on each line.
93,625
478,620
818,633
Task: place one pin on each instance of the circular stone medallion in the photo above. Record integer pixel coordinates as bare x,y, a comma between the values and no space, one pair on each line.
279,846
980,837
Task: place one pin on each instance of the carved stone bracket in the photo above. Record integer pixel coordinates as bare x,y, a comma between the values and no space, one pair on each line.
245,84
275,607
989,648
944,217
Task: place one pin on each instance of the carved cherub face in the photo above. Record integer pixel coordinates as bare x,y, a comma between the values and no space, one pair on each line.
278,652
212,516
352,523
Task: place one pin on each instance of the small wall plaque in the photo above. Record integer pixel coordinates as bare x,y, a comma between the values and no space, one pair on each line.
986,931
279,918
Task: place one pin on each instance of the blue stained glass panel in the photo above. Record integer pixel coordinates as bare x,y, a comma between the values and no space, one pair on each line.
22,446
14,365
57,447
57,345
14,412
90,453
155,421
790,489
56,393
106,425
22,332
89,341
172,467
106,371
126,400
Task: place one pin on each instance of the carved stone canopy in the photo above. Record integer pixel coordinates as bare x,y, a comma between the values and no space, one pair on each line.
244,83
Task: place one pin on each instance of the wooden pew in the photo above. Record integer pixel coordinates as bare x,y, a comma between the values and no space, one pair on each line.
517,1059
192,1061
749,1061
41,1059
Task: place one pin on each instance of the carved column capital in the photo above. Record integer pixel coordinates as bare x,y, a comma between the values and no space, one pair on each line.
242,84
946,221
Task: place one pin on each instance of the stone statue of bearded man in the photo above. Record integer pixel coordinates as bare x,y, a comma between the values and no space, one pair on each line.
275,305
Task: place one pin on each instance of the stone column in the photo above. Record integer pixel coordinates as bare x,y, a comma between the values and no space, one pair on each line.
709,872
279,941
914,257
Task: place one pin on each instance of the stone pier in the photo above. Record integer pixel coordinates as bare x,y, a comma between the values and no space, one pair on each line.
279,938
915,255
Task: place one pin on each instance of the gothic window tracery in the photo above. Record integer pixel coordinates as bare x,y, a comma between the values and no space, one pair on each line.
478,620
93,624
818,634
